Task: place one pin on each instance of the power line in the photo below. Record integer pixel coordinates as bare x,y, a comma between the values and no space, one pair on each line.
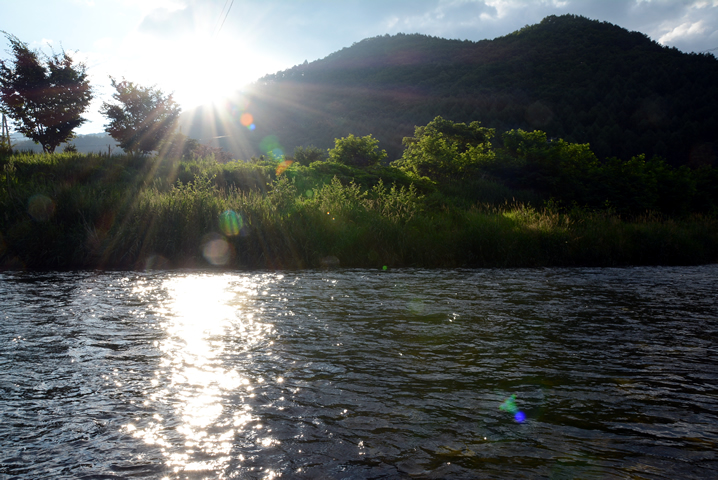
216,25
225,15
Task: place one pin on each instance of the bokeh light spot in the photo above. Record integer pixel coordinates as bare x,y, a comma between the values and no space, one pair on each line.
156,262
509,405
216,249
270,145
230,223
246,119
40,207
416,306
282,167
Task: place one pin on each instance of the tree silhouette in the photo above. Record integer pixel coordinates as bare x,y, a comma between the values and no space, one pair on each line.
44,97
141,117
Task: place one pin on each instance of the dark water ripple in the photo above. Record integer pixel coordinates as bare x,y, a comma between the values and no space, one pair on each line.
360,374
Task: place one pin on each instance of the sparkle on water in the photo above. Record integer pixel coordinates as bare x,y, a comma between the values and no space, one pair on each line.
551,373
201,312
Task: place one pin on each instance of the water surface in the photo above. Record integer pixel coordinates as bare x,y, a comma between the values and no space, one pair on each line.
360,374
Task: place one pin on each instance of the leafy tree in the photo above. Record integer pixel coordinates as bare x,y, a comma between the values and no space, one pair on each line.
446,150
141,117
308,155
45,97
357,151
552,167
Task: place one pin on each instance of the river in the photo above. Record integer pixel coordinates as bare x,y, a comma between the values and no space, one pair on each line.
354,374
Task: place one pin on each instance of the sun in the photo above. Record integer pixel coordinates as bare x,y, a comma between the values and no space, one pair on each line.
212,71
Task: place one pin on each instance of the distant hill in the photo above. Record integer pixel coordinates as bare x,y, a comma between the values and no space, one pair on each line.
574,78
91,143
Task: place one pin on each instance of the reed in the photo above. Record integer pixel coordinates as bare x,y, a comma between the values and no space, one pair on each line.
96,211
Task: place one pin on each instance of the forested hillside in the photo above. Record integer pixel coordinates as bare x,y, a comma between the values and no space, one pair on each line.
581,80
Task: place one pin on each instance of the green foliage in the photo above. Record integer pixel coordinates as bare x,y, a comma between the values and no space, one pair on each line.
446,151
95,211
397,204
140,117
357,151
466,168
45,98
551,167
308,155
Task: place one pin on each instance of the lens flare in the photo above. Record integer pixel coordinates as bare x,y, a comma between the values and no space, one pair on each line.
40,207
230,223
156,262
509,406
216,249
246,119
282,167
270,145
236,111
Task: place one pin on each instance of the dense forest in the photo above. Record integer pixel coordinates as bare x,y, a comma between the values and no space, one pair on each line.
577,79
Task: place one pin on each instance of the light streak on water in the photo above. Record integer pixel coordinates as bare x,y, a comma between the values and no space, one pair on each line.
567,373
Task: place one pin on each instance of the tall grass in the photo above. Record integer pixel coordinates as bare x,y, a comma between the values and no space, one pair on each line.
95,211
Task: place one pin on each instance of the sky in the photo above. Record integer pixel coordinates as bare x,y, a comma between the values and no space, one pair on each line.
203,50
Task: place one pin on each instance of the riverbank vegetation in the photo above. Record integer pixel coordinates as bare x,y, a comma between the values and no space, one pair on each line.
457,197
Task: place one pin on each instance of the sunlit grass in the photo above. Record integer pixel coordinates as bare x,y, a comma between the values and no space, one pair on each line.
95,211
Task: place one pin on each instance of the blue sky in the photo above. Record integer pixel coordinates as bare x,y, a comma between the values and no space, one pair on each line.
204,49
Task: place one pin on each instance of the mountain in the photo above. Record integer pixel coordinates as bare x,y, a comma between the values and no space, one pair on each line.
582,80
91,143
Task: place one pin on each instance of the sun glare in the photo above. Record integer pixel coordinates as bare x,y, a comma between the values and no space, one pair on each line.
203,316
214,71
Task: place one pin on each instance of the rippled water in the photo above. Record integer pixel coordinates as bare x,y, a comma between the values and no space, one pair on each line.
360,374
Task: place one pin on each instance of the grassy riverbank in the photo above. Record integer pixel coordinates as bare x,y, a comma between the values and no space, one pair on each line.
94,211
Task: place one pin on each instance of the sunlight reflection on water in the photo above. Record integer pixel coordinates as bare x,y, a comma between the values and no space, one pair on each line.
201,313
360,374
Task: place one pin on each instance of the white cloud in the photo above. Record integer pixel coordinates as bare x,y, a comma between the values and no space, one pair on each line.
680,32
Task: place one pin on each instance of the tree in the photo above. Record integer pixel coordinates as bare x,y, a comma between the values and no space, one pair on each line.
141,117
45,97
446,150
357,151
308,155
